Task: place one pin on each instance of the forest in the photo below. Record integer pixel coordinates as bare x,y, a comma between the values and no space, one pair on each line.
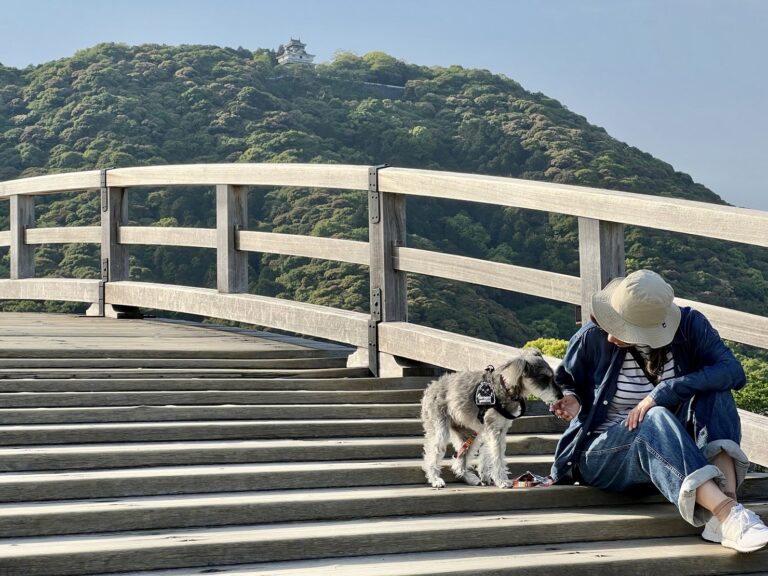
115,105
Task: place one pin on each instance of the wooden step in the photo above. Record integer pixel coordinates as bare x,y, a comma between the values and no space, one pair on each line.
106,363
681,556
171,384
49,373
39,556
195,479
150,353
209,412
207,397
135,454
379,420
230,509
187,459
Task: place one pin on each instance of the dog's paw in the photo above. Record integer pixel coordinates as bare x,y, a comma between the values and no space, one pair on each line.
472,479
503,484
438,483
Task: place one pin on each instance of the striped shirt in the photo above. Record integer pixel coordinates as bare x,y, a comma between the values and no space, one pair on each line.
632,387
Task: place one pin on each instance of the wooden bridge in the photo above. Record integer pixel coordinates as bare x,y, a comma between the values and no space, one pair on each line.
159,447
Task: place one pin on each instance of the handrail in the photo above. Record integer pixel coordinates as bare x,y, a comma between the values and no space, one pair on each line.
337,249
597,210
167,236
65,235
662,213
339,176
52,183
310,319
494,274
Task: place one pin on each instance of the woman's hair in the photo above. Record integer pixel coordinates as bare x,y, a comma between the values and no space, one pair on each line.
654,362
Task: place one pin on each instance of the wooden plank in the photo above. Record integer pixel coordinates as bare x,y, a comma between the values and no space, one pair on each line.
231,216
495,274
162,236
441,348
63,289
698,218
22,216
733,325
71,181
384,234
601,258
40,335
683,556
320,321
754,431
114,256
335,249
283,506
302,175
69,234
608,529
5,238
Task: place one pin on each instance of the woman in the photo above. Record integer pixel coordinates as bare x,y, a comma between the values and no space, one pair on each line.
648,395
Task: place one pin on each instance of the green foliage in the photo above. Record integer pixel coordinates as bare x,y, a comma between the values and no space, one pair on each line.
115,105
754,396
554,347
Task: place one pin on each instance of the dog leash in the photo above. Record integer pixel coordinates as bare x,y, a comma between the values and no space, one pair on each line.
464,447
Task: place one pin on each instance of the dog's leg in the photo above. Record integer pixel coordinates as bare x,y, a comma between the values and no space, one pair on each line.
496,444
459,462
483,464
435,443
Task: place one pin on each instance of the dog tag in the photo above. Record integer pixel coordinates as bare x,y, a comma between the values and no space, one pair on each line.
484,394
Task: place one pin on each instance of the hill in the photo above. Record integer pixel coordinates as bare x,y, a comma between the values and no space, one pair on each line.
116,105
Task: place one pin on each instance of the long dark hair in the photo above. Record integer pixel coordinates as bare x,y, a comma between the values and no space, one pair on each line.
654,362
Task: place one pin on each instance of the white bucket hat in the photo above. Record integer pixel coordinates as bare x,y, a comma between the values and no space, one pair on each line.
638,309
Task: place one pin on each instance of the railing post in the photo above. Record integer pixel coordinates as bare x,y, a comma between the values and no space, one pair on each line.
231,216
386,230
22,254
601,258
114,255
114,213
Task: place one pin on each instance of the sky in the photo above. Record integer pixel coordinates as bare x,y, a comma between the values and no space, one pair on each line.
684,80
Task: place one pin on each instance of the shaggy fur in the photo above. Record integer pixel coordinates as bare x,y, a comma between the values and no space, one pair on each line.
449,413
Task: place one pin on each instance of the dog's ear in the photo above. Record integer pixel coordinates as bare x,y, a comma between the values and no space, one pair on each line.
534,351
514,370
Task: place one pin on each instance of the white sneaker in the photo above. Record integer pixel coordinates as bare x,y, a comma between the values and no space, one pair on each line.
712,531
743,530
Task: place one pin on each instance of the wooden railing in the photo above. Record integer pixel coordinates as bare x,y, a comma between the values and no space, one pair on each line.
384,332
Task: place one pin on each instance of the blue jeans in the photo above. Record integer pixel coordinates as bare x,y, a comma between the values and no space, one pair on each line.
662,452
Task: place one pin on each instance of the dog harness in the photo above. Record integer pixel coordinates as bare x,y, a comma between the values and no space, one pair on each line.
485,397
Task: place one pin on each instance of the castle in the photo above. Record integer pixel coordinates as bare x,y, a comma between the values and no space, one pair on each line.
294,53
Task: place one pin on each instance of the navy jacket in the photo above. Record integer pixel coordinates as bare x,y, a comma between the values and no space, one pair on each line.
591,369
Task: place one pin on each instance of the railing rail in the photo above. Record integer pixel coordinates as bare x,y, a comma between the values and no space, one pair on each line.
384,331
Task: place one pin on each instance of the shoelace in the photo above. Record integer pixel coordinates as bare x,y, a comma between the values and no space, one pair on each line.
746,518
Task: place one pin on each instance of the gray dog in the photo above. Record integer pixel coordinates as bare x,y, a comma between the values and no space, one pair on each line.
462,405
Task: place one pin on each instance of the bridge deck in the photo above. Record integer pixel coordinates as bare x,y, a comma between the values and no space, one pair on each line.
64,335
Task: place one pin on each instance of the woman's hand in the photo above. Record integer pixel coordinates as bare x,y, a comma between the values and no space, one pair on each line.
566,408
637,413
